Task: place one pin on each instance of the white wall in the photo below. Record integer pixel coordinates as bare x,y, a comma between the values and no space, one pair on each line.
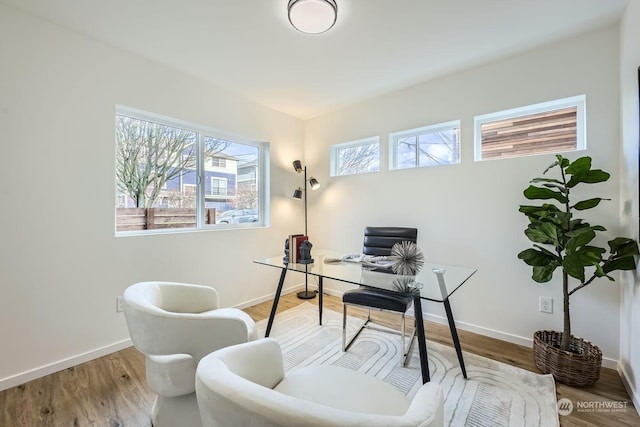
467,214
61,268
630,313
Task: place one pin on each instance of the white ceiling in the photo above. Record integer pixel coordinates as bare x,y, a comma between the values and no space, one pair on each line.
376,46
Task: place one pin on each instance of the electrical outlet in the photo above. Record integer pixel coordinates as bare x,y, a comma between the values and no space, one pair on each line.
546,305
119,304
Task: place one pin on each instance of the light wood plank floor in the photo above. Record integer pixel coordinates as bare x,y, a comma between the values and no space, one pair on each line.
111,391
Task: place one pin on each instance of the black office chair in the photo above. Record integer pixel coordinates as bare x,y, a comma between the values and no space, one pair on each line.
378,241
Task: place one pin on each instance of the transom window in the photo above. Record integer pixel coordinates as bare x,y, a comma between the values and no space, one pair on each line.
426,146
355,157
174,175
549,127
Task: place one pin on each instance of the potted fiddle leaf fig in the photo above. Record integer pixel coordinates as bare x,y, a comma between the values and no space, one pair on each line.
562,240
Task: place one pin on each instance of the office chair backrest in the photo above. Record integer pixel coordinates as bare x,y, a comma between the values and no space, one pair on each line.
378,241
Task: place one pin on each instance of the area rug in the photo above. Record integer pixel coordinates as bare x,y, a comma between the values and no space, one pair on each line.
495,394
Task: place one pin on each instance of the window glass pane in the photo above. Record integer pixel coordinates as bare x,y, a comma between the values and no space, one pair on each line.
358,159
153,162
549,132
439,148
407,152
176,176
427,146
548,127
231,173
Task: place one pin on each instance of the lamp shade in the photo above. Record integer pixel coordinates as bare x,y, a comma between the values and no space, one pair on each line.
297,193
314,184
312,16
297,166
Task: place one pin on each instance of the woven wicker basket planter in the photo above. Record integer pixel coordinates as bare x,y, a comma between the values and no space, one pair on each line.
578,367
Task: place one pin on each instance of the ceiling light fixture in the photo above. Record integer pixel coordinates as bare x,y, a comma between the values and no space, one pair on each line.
312,16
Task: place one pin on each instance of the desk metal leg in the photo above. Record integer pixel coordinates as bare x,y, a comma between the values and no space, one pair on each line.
452,324
454,336
320,299
422,340
276,299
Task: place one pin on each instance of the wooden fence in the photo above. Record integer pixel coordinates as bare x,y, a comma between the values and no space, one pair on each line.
132,219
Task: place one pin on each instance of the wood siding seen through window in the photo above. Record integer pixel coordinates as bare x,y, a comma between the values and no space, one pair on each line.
548,132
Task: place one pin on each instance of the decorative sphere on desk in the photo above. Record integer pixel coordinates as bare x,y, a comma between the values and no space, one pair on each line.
407,258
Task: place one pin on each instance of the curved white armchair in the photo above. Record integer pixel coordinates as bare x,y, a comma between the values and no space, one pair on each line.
245,385
175,325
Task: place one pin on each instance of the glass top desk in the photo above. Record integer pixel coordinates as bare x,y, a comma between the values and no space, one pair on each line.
435,282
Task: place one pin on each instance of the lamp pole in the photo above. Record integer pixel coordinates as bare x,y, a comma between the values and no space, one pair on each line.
297,165
306,294
305,201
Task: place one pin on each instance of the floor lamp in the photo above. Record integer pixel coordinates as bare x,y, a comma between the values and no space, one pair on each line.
298,194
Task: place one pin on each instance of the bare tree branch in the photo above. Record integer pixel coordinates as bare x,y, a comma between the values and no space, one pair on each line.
148,155
358,159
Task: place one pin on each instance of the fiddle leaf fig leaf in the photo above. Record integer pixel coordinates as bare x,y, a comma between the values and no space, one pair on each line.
537,210
623,263
542,232
536,258
580,165
590,255
563,161
580,239
588,177
553,165
543,274
562,188
622,246
588,204
548,252
550,180
573,266
534,193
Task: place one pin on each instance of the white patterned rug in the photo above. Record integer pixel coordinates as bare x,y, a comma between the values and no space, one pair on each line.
495,394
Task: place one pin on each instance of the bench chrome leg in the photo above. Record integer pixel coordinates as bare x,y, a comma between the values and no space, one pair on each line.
345,343
404,351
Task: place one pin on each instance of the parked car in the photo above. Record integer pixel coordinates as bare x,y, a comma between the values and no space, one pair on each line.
238,216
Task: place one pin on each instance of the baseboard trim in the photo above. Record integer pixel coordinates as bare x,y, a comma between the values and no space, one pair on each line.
269,297
504,336
481,330
633,393
23,377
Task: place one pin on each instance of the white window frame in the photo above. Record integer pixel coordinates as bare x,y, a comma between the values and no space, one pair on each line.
356,143
578,101
440,127
262,178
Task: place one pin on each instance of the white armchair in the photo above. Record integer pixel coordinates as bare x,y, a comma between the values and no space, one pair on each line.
245,385
175,325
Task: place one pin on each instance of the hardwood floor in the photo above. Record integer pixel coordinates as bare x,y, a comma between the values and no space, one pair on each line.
111,391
